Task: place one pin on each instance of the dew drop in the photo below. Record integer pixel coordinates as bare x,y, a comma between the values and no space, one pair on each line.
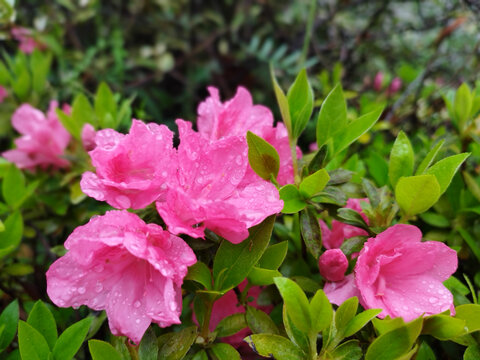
136,304
137,321
81,290
431,286
173,306
98,287
239,160
432,300
164,174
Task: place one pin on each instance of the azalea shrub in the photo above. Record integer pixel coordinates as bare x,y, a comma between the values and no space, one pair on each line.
317,228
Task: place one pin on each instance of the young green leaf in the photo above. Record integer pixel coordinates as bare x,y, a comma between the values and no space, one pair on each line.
321,311
11,237
262,156
9,322
472,352
355,129
401,159
352,217
296,302
349,350
359,321
445,169
223,351
262,277
260,322
101,350
13,186
332,117
71,339
105,104
273,257
314,183
310,229
32,344
462,105
275,345
82,113
345,313
416,194
300,103
177,345
298,337
282,103
292,200
231,325
443,327
40,65
238,259
200,273
429,158
148,348
43,321
471,314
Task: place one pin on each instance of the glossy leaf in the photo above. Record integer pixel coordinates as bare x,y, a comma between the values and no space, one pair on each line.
462,105
260,322
471,314
43,321
345,313
321,311
223,351
429,158
445,169
101,350
148,347
200,273
238,259
262,156
443,327
231,325
314,183
401,159
71,339
262,277
273,257
274,345
416,194
32,344
360,320
13,186
472,352
105,104
332,117
296,303
349,350
300,103
282,103
178,344
9,322
292,200
11,237
310,229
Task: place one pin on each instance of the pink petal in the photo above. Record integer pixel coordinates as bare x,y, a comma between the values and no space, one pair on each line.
338,292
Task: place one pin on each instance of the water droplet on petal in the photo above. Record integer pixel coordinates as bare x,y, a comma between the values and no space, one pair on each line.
239,160
137,321
99,268
136,304
81,290
98,287
432,300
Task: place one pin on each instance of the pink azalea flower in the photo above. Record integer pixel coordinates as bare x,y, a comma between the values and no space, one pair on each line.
43,139
333,238
378,81
131,269
211,190
24,36
3,93
395,85
339,291
131,170
217,120
88,137
332,264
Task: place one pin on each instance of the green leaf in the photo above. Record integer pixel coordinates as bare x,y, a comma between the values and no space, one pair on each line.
292,200
462,105
425,352
101,350
42,320
296,303
71,339
262,156
429,158
201,355
321,311
471,242
300,103
9,321
200,273
238,259
349,350
434,219
310,229
314,183
445,169
82,113
231,324
416,194
319,160
11,237
22,85
355,129
352,217
472,352
273,257
359,321
40,65
345,313
13,186
274,345
223,351
177,344
68,123
401,159
148,348
332,117
471,314
262,277
282,103
32,344
260,322
105,104
395,343
443,327
298,337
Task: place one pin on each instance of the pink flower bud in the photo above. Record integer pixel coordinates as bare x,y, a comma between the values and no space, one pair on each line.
395,85
333,263
88,137
378,81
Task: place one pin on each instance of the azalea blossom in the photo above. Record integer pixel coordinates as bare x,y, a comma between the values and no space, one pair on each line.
332,264
24,36
333,238
211,189
43,140
88,137
217,120
339,291
400,274
132,270
132,170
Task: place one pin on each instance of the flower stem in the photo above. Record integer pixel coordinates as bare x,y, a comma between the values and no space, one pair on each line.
205,332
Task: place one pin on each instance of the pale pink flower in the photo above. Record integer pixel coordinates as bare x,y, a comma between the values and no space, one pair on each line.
24,36
404,276
210,189
217,120
333,238
132,270
88,137
378,81
332,264
3,93
132,170
43,139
